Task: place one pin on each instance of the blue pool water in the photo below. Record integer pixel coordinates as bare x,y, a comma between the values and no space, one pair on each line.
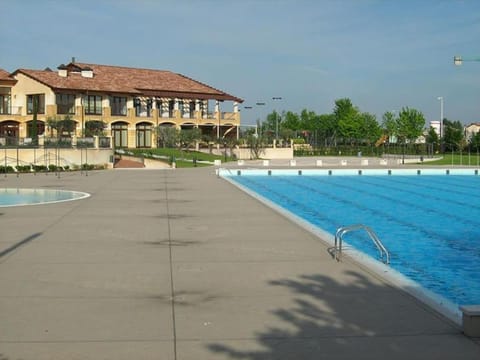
19,197
429,224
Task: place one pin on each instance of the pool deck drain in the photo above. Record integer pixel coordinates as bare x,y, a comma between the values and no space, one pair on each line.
179,264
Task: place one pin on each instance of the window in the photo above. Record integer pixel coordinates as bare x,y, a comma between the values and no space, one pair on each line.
149,107
171,107
36,103
4,104
119,106
120,135
159,104
65,104
203,109
180,107
143,108
144,135
192,109
93,105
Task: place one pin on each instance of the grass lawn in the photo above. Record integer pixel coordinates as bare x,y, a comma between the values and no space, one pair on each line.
182,158
456,159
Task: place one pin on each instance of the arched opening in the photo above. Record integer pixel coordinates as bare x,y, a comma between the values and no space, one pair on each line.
40,129
9,130
187,126
209,131
144,135
120,134
166,135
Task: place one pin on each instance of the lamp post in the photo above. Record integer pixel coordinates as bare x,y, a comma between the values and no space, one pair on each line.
254,126
441,116
259,104
276,117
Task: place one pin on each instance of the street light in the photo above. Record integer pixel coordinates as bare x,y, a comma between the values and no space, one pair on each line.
276,117
254,126
458,60
441,115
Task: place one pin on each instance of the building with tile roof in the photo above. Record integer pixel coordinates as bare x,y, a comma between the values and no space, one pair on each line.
130,102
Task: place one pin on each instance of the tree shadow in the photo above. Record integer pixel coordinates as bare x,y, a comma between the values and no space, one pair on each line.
354,317
19,244
168,243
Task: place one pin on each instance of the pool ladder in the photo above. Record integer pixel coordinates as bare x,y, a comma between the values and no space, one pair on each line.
384,255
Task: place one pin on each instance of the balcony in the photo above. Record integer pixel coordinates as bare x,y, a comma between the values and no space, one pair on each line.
11,110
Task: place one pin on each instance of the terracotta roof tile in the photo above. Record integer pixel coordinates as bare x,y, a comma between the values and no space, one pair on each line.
127,80
5,76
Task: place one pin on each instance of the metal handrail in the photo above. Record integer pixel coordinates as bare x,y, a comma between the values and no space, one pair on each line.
384,254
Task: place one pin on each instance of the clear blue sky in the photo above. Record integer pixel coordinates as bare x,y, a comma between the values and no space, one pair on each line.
382,54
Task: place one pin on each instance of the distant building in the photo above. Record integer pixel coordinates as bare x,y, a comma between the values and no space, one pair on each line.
471,130
435,124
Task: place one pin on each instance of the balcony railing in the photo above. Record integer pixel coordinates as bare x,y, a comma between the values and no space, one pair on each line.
11,110
104,142
228,116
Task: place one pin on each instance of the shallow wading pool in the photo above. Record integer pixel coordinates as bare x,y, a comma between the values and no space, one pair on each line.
22,197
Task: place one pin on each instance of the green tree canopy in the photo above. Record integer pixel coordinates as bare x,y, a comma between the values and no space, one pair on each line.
94,127
168,136
368,128
347,119
62,126
432,137
453,134
188,137
291,121
389,123
410,124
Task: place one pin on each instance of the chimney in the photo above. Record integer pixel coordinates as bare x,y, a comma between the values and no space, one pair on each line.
73,59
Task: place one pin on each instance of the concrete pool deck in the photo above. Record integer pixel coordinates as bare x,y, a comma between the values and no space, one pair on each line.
180,264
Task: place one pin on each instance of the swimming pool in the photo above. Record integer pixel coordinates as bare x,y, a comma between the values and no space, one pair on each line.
428,220
21,197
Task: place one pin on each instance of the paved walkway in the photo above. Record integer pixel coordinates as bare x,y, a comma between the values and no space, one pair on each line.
179,264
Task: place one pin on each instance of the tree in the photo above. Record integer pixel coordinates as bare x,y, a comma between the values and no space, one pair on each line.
167,136
474,142
326,126
390,124
307,120
433,138
269,126
94,128
63,126
453,135
347,118
368,129
291,121
34,121
410,125
257,144
189,137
